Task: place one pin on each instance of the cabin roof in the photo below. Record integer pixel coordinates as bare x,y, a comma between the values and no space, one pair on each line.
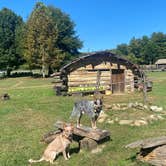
96,58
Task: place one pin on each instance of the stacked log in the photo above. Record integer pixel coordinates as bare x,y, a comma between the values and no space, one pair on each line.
129,81
60,81
85,78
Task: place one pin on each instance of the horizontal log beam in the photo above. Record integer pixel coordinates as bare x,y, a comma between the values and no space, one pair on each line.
87,83
83,131
84,79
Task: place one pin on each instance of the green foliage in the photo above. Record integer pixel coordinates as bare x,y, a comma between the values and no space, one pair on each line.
40,37
9,24
50,38
145,50
47,40
67,41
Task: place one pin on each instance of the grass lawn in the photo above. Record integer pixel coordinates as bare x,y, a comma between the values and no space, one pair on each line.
34,108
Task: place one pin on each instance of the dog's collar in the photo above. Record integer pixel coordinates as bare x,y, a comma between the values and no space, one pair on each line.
67,137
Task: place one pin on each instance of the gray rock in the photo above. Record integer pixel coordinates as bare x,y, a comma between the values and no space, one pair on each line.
156,109
125,122
139,123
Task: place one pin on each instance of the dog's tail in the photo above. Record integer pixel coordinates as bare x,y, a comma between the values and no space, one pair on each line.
35,161
74,112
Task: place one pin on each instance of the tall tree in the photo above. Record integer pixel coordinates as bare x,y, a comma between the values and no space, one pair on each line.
50,38
41,35
9,23
68,41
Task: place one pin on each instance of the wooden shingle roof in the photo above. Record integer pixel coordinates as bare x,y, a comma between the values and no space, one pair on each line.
98,57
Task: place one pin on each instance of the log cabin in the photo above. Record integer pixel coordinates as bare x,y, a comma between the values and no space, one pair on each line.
98,71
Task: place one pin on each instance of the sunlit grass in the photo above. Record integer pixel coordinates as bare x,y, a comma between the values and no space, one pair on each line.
34,108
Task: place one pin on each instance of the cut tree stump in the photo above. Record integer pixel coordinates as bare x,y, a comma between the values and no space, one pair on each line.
152,151
87,144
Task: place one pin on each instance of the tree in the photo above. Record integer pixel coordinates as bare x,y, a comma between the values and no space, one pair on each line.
122,49
145,50
40,38
67,39
9,23
50,38
159,40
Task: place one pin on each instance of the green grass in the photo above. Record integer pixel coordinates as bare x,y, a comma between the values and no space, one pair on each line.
34,108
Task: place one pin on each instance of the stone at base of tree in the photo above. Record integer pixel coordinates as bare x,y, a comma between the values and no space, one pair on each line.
88,144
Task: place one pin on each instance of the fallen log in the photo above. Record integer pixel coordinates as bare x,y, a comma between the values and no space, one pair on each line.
148,143
84,131
50,136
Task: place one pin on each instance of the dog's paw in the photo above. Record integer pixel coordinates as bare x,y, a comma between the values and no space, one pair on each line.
30,160
94,128
68,156
78,126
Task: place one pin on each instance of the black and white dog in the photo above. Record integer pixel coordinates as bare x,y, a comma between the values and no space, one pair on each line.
90,108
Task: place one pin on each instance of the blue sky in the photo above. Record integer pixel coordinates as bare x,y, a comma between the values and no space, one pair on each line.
103,24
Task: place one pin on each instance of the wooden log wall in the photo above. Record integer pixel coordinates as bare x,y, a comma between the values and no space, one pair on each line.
129,81
86,77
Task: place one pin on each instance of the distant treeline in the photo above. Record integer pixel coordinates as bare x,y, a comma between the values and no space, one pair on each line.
145,50
46,40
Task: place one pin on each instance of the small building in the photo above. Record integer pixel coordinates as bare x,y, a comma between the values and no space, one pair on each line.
101,71
161,64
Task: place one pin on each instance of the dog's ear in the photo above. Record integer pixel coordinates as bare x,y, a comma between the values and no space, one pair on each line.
64,125
72,125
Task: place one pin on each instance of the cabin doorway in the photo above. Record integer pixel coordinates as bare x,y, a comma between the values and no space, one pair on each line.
118,80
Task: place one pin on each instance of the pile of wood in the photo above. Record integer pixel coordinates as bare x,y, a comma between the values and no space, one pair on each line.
152,151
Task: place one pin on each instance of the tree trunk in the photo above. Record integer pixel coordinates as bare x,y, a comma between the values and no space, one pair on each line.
43,70
50,71
8,71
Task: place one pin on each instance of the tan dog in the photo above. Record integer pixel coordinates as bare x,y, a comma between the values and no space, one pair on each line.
60,144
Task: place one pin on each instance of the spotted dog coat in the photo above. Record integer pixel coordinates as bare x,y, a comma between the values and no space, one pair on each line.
90,108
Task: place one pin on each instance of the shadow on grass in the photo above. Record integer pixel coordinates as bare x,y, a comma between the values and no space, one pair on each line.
74,150
135,160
